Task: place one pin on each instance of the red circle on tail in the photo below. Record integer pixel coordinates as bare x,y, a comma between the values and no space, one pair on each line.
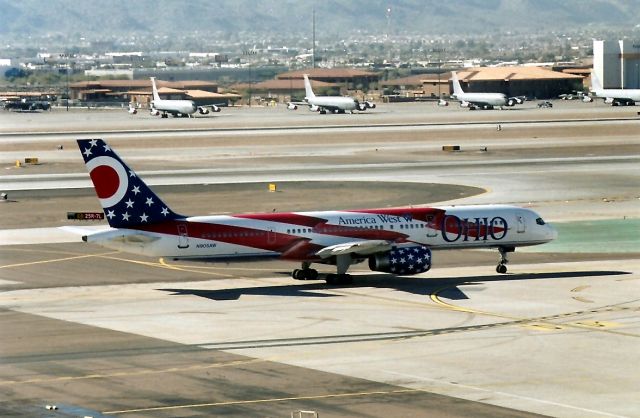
106,181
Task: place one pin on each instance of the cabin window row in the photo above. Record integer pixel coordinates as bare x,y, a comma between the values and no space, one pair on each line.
233,235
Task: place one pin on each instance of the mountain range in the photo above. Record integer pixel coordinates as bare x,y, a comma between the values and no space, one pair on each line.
335,17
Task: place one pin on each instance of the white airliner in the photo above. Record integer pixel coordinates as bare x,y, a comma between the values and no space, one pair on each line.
175,107
334,104
614,97
392,240
481,100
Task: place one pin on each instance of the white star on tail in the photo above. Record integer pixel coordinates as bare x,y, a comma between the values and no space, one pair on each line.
129,203
143,217
149,201
125,216
93,142
164,211
110,214
135,190
87,152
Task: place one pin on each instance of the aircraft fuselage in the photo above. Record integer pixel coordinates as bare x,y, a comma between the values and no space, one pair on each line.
297,236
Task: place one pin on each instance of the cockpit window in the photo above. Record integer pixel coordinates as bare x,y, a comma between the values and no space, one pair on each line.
540,221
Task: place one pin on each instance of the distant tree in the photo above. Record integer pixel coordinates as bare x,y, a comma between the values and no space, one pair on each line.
13,73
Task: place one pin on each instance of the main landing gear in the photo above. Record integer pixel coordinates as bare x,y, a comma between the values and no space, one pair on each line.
342,263
305,273
502,265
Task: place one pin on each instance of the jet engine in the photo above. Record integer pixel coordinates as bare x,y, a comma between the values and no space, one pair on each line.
443,102
314,108
215,108
406,260
203,110
132,110
465,104
362,106
511,102
154,112
370,105
587,99
292,106
610,100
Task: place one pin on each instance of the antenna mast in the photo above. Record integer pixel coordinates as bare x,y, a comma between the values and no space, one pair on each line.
313,50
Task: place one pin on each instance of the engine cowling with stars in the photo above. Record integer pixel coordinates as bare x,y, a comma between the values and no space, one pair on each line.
405,260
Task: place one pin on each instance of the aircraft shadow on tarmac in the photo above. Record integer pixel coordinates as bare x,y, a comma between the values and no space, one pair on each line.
446,288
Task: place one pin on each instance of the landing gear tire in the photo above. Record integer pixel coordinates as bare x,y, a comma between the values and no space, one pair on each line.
502,269
305,274
334,279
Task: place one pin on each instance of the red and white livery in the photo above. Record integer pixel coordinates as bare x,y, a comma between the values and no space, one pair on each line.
392,240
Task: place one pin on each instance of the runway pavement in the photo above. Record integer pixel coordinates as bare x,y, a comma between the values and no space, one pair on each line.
102,334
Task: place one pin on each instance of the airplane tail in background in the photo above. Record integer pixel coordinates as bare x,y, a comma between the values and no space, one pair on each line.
307,87
156,96
126,200
457,89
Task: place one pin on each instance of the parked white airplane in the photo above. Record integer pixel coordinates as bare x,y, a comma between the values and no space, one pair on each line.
481,100
175,107
334,104
392,240
614,97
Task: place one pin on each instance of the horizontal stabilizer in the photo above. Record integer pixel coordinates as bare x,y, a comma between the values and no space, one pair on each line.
121,235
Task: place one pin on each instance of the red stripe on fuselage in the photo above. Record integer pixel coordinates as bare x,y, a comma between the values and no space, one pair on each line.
298,247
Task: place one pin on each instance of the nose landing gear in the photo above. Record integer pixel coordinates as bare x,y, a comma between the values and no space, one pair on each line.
502,264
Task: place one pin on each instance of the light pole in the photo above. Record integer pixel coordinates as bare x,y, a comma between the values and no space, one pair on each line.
248,53
66,71
439,51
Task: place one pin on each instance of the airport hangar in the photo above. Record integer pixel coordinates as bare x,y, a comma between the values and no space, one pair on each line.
534,82
617,63
139,91
325,81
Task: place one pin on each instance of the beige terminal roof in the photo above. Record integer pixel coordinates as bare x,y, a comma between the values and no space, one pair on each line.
512,73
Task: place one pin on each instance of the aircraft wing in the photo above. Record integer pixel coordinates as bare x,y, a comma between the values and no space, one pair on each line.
356,247
329,107
213,105
477,102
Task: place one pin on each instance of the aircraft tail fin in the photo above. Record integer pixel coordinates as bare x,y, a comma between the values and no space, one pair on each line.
457,89
307,87
156,96
126,200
